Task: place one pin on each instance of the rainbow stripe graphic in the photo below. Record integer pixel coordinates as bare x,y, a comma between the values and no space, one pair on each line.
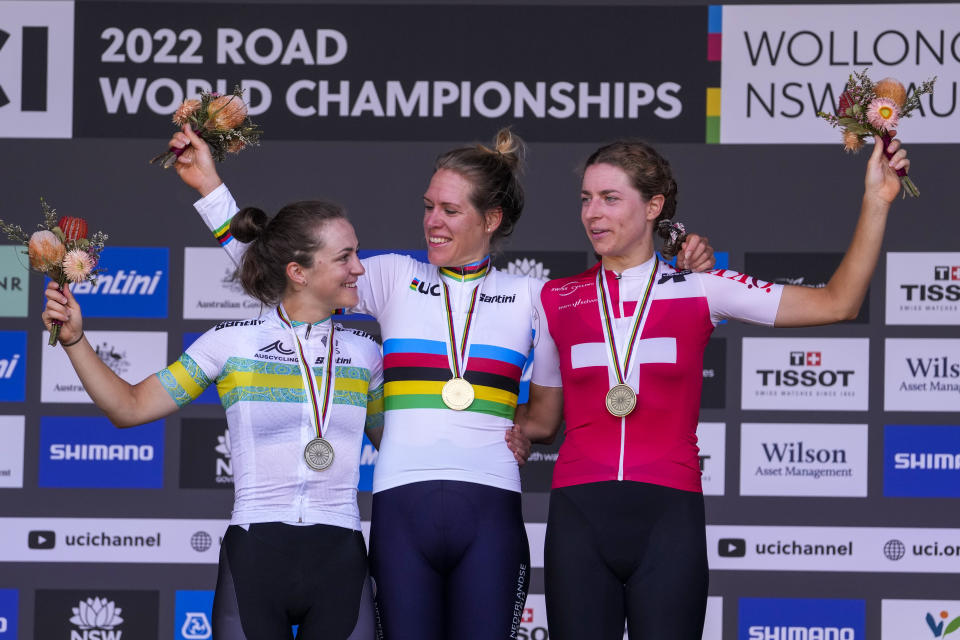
414,371
222,233
714,54
415,283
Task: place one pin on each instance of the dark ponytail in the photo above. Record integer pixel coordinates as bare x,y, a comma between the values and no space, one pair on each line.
293,235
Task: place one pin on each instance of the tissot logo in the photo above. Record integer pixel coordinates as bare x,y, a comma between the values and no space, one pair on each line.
806,373
923,288
42,539
96,615
731,547
711,437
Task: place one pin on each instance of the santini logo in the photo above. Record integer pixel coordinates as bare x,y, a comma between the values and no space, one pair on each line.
124,452
758,632
7,365
123,283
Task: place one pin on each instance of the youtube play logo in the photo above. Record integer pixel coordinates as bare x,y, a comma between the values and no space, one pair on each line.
42,539
731,547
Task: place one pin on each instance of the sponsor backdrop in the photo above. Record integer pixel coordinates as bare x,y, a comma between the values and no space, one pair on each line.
829,456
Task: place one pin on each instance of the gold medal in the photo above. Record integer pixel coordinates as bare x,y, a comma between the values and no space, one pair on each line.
457,394
318,454
621,400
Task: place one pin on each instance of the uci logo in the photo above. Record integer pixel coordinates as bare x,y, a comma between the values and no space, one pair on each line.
427,289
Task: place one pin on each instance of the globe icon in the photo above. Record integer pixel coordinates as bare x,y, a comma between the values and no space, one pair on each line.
201,541
894,549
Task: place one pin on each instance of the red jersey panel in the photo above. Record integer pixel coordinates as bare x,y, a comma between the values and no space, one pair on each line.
657,442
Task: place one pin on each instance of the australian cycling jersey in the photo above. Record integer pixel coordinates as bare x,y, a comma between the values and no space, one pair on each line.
256,369
657,442
424,440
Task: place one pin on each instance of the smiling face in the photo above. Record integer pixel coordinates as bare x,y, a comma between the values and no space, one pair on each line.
618,221
331,283
456,233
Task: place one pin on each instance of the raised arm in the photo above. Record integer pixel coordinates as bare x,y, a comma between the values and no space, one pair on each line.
123,403
841,298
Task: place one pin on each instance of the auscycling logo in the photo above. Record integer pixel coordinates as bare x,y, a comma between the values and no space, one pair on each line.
133,284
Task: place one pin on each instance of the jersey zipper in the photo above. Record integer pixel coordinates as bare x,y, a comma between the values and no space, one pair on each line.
623,436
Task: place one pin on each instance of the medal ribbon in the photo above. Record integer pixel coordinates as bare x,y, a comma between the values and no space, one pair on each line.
458,357
640,318
320,409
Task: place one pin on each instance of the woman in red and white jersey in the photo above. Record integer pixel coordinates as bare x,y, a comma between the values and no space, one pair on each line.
625,535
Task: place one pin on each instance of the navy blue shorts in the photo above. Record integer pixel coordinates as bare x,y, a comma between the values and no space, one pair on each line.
449,560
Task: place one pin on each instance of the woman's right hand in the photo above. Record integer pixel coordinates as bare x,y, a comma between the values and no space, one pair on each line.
62,306
195,166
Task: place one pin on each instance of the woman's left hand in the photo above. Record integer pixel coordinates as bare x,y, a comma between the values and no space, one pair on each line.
518,443
882,180
696,254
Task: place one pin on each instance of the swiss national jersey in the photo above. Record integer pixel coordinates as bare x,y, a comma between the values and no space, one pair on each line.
657,442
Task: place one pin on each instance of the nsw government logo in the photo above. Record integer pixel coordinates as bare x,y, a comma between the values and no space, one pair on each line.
921,461
134,284
100,615
765,618
205,454
90,452
923,288
805,373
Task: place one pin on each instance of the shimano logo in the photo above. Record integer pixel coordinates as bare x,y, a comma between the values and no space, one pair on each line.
934,461
123,283
278,347
125,452
758,632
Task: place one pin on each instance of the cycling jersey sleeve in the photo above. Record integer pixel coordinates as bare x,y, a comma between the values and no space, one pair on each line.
375,391
193,371
737,296
546,358
382,275
217,209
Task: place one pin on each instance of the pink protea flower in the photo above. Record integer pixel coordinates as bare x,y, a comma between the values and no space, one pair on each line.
184,111
852,142
883,113
77,265
45,250
226,112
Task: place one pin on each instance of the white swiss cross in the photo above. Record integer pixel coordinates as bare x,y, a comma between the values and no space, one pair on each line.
647,351
813,358
955,273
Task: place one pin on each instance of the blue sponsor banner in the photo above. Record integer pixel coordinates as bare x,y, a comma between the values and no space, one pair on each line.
13,366
90,452
762,618
8,614
368,459
193,613
134,284
420,255
209,395
921,461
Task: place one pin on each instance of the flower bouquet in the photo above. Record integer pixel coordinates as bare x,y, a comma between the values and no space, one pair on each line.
874,109
221,121
60,249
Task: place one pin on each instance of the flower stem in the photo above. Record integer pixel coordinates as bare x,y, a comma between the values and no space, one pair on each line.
55,329
909,187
